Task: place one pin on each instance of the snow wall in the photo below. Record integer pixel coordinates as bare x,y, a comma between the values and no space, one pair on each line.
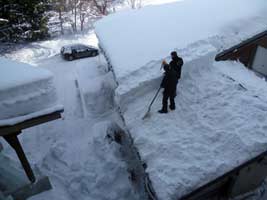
25,90
135,42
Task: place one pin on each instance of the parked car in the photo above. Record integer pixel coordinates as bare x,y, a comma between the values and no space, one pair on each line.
75,51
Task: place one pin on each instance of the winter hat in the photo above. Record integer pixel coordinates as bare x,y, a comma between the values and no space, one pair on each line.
174,54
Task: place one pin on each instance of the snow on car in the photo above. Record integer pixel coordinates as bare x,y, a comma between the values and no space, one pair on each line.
208,135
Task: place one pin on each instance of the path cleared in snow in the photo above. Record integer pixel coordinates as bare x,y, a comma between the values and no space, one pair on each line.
74,152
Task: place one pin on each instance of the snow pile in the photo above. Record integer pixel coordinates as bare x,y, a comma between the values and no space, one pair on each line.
244,76
25,90
74,152
208,134
96,88
137,40
81,164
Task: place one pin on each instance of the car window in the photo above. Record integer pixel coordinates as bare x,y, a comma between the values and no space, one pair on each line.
79,49
82,47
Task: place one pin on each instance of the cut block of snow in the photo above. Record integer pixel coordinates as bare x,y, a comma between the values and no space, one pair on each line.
217,126
96,87
133,41
24,91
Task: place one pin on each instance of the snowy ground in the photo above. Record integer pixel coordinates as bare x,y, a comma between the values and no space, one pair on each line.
37,51
74,152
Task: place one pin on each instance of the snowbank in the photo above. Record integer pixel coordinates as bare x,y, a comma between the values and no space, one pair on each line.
74,152
96,88
25,91
88,167
137,40
209,133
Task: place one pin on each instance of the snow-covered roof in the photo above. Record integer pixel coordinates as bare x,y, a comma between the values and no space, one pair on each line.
134,39
14,74
208,134
219,123
25,92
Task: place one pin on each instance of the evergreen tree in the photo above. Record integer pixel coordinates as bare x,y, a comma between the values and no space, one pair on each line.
26,20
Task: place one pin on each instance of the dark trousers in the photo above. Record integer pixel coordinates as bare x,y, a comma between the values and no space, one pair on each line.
166,97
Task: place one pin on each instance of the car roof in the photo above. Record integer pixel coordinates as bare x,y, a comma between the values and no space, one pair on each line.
74,46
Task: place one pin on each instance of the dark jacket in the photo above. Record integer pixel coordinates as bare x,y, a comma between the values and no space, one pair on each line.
169,81
176,64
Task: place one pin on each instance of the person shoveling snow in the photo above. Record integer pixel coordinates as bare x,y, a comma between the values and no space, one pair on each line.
169,83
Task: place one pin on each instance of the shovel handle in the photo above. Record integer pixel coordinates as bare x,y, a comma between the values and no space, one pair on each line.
154,98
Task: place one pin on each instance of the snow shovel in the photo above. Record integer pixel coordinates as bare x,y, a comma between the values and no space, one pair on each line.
148,111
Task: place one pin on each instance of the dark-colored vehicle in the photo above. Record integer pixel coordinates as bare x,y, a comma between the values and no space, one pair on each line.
74,51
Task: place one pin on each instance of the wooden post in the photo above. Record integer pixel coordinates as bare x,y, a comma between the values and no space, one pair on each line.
13,141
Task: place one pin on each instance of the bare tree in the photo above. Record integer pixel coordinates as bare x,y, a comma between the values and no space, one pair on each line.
75,15
77,12
101,7
83,8
59,4
134,4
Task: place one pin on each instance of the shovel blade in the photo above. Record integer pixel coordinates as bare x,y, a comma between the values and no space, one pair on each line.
146,115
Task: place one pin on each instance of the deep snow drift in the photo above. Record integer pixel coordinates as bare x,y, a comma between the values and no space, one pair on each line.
135,42
217,126
25,92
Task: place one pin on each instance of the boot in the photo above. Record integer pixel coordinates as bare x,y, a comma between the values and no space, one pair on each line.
172,107
163,111
172,103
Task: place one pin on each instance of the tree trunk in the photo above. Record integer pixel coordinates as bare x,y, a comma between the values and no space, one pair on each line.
75,16
61,21
81,15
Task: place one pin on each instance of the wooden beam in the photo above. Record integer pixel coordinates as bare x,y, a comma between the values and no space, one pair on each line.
7,130
10,134
227,53
13,141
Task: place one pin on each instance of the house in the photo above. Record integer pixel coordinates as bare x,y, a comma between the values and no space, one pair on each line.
195,151
252,53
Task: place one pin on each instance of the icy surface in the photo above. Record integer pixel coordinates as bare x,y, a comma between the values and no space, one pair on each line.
218,125
136,40
25,91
